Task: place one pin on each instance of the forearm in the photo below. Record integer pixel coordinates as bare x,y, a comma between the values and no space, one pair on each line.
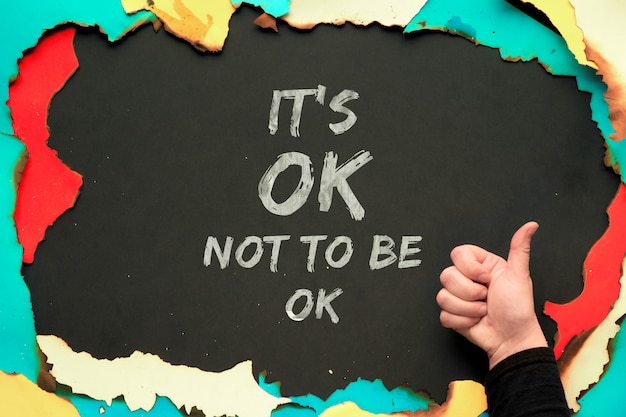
526,384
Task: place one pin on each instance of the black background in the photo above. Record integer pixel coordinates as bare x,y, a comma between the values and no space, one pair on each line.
172,144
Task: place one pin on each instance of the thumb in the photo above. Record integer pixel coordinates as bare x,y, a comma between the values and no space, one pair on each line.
519,253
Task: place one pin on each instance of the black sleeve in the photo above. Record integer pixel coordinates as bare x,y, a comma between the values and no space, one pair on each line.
526,384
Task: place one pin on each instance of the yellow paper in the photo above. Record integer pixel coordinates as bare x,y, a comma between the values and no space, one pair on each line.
561,14
140,377
20,397
309,13
204,24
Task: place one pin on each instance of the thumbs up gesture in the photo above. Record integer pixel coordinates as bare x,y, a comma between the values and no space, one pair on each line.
489,300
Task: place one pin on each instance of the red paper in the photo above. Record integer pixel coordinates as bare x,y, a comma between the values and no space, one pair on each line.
602,272
48,187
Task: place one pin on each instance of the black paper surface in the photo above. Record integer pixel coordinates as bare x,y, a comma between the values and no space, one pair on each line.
172,145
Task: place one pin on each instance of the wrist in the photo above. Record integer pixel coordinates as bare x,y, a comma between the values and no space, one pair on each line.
534,338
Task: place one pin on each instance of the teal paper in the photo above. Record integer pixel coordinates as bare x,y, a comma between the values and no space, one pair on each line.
371,396
21,25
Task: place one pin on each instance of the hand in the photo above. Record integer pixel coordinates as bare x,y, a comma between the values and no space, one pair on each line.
489,300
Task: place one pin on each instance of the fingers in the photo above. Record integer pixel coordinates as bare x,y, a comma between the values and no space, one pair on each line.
459,307
519,253
461,286
459,323
462,301
468,259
